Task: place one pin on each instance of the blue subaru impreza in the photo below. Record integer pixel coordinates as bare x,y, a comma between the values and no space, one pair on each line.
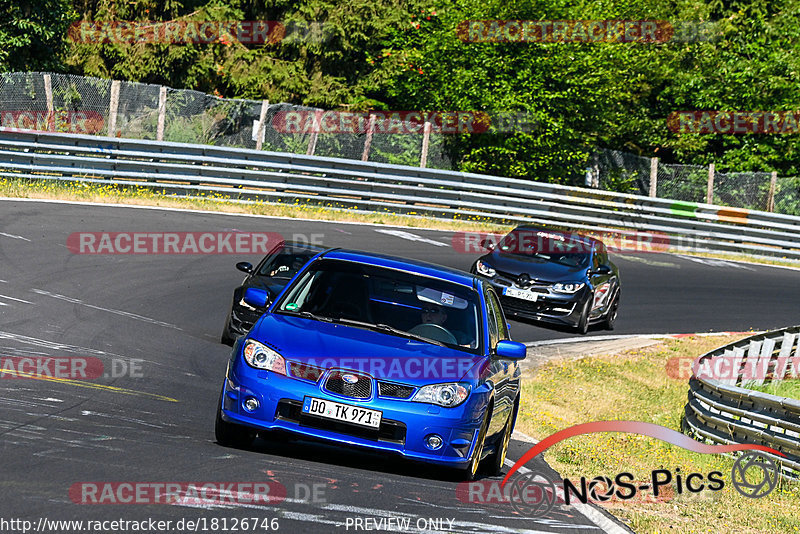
380,352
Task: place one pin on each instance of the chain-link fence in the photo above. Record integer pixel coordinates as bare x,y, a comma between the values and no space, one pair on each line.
629,173
85,105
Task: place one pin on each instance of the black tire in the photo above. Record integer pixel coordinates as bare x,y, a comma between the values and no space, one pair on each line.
611,316
230,434
471,471
583,323
496,460
227,338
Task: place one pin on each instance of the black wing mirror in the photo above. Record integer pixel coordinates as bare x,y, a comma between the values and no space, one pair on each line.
245,267
486,244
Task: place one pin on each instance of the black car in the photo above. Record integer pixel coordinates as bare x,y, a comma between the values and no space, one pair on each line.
554,277
271,274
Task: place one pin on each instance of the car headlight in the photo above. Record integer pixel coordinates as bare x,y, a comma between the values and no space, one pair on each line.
447,395
568,287
485,269
245,305
262,357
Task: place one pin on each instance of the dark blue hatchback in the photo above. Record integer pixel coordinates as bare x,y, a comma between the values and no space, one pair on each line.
554,277
379,352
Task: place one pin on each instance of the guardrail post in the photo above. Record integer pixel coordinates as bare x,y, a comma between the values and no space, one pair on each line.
312,142
162,112
113,106
368,140
653,177
48,92
262,118
710,187
426,138
773,182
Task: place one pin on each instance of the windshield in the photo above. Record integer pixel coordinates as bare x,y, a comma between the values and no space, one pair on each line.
387,300
285,264
554,247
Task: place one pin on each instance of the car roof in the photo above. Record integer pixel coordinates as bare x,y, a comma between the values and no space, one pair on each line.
573,235
301,246
405,264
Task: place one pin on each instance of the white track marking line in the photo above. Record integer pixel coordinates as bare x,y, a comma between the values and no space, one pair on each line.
109,310
412,237
530,344
12,236
18,300
51,344
714,262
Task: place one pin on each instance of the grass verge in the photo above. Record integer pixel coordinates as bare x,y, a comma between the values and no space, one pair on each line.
634,386
145,196
784,388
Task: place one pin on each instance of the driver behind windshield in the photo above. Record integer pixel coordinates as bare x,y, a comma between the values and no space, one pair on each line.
434,314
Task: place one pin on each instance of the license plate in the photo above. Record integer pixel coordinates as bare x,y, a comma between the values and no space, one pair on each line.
520,294
342,412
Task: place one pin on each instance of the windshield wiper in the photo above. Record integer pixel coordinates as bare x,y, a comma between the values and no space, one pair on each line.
309,315
383,327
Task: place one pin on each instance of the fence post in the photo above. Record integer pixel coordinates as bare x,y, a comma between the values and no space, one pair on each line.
773,182
653,177
48,92
426,138
368,140
162,112
262,118
710,187
113,106
312,142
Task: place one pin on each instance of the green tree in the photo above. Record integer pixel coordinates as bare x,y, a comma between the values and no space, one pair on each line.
31,34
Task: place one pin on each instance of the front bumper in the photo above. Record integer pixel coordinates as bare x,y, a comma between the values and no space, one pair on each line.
404,424
549,307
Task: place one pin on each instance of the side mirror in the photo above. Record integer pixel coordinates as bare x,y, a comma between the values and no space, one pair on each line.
257,298
603,269
486,244
511,350
245,267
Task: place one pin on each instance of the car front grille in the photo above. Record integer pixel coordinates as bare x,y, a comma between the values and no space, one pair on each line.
389,431
360,389
396,391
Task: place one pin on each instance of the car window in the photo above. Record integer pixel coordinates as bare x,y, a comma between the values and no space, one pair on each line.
377,297
596,259
502,327
284,265
492,319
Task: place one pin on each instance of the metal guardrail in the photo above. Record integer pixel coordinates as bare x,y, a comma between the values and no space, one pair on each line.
274,176
723,410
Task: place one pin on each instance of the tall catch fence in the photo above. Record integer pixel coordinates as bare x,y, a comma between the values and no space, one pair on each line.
84,105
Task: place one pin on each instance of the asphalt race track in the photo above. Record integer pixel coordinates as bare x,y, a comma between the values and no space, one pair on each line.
166,312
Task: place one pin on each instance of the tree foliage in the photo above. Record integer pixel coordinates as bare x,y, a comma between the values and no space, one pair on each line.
389,54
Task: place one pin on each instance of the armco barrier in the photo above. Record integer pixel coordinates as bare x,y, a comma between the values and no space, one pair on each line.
724,411
273,176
